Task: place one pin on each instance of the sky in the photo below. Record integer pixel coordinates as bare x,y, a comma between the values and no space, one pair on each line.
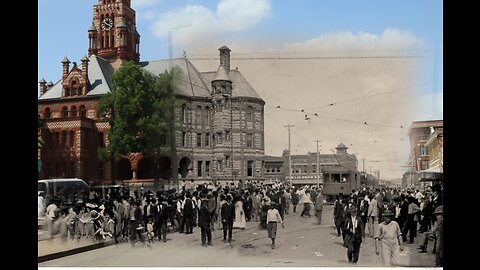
351,62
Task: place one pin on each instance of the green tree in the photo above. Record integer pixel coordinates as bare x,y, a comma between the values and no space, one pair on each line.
139,110
40,124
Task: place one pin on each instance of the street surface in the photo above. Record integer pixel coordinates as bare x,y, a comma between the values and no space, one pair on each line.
301,243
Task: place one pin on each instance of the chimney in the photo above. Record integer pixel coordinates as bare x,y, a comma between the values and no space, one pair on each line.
43,87
65,64
85,73
225,57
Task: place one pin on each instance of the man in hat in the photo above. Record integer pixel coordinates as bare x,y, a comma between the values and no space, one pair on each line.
436,234
354,232
227,214
273,217
389,236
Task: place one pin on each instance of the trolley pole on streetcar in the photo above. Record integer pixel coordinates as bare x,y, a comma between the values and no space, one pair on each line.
318,165
289,155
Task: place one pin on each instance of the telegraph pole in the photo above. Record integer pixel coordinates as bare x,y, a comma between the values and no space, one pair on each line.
289,155
318,166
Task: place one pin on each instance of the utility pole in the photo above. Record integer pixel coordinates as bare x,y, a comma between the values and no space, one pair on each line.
318,166
289,155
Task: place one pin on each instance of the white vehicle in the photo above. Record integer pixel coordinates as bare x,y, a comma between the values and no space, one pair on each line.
67,190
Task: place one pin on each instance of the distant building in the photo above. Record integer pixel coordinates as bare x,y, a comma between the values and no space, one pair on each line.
338,167
435,149
218,132
419,133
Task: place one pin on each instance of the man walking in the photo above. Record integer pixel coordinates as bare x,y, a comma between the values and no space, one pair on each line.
204,221
273,217
355,231
319,206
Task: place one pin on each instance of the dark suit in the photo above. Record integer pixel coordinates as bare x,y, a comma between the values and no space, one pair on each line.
337,215
354,239
228,215
204,222
160,216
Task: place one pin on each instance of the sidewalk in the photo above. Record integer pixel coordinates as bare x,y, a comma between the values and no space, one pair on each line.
49,249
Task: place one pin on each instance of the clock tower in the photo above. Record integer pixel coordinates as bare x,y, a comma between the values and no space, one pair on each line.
113,34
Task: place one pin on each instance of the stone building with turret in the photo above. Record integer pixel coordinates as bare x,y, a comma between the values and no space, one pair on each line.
218,132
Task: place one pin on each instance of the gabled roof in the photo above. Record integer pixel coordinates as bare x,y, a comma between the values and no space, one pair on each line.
189,82
240,86
99,77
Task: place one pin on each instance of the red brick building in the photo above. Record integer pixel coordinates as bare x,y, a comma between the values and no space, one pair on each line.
219,118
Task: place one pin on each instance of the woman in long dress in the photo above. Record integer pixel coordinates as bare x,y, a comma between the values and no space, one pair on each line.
239,222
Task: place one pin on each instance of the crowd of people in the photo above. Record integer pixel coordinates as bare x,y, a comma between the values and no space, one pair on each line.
391,215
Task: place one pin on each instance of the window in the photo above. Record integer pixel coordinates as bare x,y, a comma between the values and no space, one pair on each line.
83,112
424,165
249,140
47,113
64,112
423,151
67,91
184,138
304,168
199,168
183,114
207,168
74,88
198,116
206,116
227,136
72,139
64,138
250,168
199,139
227,161
219,138
73,111
249,113
424,135
207,139
220,165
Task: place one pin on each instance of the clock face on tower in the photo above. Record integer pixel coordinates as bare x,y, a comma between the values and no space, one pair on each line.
107,24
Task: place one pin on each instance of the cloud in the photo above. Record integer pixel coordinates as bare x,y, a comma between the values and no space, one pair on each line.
391,40
200,24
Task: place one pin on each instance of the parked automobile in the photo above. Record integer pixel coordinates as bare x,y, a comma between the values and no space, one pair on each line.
67,190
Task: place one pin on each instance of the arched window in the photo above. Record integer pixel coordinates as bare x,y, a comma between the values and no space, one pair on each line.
67,91
198,116
73,111
74,88
65,112
47,113
83,112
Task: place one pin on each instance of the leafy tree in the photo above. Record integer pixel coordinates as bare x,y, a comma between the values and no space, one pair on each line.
139,110
40,124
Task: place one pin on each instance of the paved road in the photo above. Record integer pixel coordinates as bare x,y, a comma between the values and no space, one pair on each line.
300,243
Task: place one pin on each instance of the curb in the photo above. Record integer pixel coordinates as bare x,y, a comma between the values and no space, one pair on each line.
69,252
